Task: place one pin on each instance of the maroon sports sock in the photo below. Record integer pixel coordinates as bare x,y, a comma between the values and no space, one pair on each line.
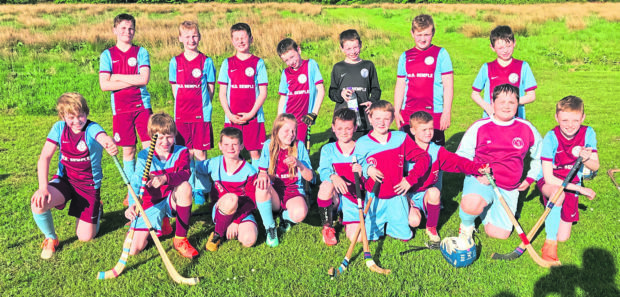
323,203
433,215
183,214
222,222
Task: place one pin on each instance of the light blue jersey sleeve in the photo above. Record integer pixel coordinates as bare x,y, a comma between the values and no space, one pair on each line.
303,156
481,79
105,62
549,147
172,72
223,76
314,72
263,162
204,167
591,139
143,59
535,153
209,70
95,152
261,73
528,82
401,70
325,164
467,147
56,132
283,89
444,62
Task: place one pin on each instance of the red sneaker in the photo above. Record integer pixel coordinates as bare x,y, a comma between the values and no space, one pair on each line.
329,235
49,246
550,250
184,248
166,229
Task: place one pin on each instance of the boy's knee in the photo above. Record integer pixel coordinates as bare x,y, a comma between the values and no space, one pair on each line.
433,196
496,232
326,191
298,214
85,237
472,205
262,195
247,240
414,217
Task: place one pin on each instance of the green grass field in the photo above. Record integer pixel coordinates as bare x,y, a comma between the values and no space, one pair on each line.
583,62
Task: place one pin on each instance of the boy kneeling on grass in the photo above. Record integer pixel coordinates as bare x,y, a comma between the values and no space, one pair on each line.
168,193
79,174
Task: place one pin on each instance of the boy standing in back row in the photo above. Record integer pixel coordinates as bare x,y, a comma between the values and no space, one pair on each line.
125,70
504,70
425,80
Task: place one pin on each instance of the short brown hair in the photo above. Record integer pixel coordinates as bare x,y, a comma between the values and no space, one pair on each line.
162,123
570,104
422,22
71,103
124,17
350,34
232,132
420,117
241,27
501,33
505,88
345,114
189,25
381,105
286,45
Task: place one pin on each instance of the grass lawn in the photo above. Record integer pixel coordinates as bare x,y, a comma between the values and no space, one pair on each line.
566,59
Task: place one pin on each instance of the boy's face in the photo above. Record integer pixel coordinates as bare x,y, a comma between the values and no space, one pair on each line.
241,41
230,147
190,39
124,31
292,58
381,120
287,134
569,121
505,106
75,122
423,131
503,49
164,142
423,38
344,130
351,49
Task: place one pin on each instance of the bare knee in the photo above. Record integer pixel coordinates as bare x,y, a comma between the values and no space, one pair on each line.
297,214
228,203
473,204
433,196
326,191
85,237
350,230
247,240
496,232
414,217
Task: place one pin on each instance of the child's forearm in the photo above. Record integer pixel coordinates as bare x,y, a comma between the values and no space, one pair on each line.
43,168
529,97
260,100
224,100
318,101
399,93
176,178
480,101
281,104
211,89
108,85
137,80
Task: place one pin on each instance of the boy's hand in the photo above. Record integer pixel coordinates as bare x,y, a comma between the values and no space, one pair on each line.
41,197
484,168
232,231
130,212
346,94
309,119
235,119
262,181
398,118
290,160
483,180
367,104
402,187
444,122
340,184
244,117
524,185
357,168
585,153
375,174
587,192
110,147
156,181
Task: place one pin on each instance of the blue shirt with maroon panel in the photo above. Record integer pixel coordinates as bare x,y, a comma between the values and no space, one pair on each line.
240,183
115,61
334,161
242,79
299,87
192,101
282,176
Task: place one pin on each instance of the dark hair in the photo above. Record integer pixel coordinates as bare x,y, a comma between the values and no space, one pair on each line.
570,103
286,45
421,22
232,132
241,27
124,17
505,88
421,116
350,34
502,33
344,114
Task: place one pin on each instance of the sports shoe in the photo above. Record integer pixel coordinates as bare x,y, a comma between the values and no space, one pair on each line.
329,235
166,228
272,237
550,250
49,246
433,236
285,226
126,201
213,242
465,233
184,248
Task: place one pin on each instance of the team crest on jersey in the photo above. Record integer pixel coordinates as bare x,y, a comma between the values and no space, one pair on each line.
302,79
372,161
249,71
364,72
429,60
81,146
196,73
518,143
513,78
117,137
132,61
576,150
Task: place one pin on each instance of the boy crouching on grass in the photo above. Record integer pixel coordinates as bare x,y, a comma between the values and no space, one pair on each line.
426,198
557,160
382,154
167,193
79,174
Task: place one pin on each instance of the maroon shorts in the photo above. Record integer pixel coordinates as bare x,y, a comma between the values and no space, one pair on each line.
570,206
439,136
302,131
253,134
85,199
195,135
285,193
245,206
124,126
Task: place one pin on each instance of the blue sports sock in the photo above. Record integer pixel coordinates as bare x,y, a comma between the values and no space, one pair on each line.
466,219
286,216
552,223
45,223
255,164
264,208
129,167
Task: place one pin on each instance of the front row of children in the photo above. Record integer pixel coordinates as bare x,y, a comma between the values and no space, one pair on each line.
406,166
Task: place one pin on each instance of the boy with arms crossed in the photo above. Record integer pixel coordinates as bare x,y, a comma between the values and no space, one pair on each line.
557,159
503,142
338,182
354,77
426,198
301,87
167,193
425,80
192,77
382,154
124,69
79,174
504,70
243,90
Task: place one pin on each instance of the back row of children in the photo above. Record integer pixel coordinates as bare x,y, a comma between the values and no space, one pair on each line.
424,83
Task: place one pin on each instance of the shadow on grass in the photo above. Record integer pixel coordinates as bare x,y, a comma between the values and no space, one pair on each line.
452,185
4,176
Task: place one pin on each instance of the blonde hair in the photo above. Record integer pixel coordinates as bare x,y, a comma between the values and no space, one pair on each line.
383,106
71,103
275,145
570,104
187,26
162,123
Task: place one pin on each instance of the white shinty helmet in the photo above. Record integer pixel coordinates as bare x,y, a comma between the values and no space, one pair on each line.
458,252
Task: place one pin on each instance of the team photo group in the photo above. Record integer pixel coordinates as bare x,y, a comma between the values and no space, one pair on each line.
371,179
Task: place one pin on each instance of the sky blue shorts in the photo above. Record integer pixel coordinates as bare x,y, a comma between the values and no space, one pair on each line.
388,216
494,213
